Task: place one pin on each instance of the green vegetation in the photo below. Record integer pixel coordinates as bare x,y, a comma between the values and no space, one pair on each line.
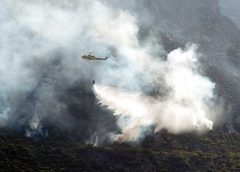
215,151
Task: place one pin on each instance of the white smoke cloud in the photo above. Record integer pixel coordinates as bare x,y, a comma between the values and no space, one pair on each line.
37,35
189,99
32,32
187,106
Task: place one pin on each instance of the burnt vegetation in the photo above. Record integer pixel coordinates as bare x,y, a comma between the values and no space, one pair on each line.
215,151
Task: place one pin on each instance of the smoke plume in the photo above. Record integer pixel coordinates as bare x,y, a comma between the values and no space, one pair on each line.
153,78
186,107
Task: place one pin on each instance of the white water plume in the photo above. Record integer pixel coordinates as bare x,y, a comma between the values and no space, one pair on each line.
187,106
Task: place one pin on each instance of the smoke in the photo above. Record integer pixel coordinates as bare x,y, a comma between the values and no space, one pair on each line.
231,10
188,105
41,48
44,81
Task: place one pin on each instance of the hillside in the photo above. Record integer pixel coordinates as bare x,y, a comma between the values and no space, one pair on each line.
215,151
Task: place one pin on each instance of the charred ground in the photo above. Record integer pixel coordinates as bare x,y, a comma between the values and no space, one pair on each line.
216,151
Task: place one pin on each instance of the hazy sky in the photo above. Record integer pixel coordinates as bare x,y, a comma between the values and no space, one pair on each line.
231,9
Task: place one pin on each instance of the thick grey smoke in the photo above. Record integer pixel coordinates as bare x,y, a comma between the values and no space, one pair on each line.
201,22
41,46
43,80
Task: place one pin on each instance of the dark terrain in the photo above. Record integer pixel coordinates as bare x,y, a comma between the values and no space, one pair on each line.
216,151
